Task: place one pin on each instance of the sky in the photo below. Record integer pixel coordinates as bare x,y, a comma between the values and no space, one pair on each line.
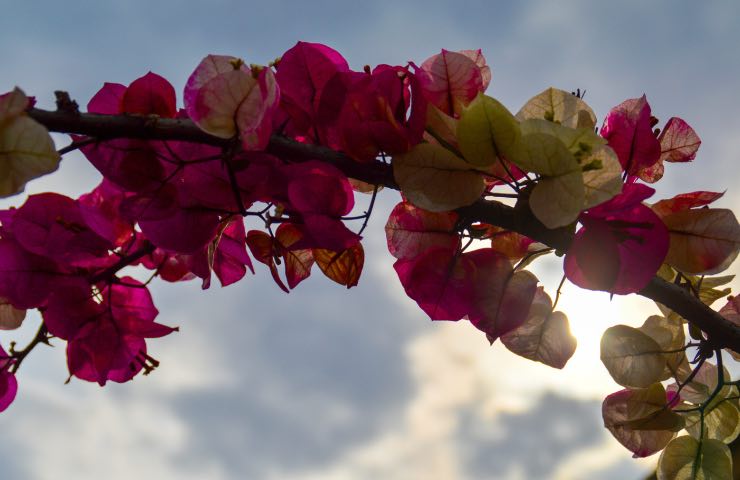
331,384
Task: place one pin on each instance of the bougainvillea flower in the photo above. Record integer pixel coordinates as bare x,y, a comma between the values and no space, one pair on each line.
133,164
52,226
629,130
26,280
8,383
302,74
621,245
100,211
223,96
105,332
321,194
364,114
480,285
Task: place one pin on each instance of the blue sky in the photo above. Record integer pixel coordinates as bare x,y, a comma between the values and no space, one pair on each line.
333,384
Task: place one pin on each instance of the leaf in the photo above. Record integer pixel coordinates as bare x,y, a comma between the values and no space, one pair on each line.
26,148
669,335
435,179
343,267
632,357
544,337
601,184
721,421
10,317
560,107
411,231
558,198
703,241
686,458
639,420
487,132
558,201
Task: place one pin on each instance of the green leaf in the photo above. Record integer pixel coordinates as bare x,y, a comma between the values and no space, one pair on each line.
487,131
560,107
721,421
686,458
436,179
632,357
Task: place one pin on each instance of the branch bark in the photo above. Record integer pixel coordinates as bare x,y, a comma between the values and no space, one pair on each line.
721,333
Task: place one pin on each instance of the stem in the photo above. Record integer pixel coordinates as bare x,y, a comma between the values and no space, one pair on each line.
40,337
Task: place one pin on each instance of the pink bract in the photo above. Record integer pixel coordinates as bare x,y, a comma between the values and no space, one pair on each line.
629,131
621,245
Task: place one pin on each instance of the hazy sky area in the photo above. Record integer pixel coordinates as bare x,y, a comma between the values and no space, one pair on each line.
331,384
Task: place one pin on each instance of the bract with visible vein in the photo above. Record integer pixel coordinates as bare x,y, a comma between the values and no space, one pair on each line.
410,231
344,267
703,241
450,81
487,132
302,74
629,131
298,261
224,97
678,143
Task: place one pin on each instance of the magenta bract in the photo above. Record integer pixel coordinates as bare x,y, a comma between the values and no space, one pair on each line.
621,245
